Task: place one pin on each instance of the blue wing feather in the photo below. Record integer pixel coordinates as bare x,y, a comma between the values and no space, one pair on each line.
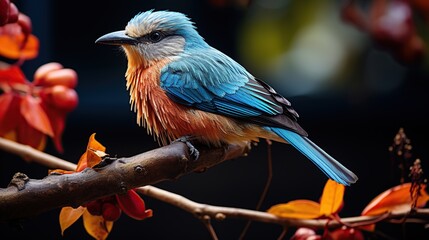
320,158
219,85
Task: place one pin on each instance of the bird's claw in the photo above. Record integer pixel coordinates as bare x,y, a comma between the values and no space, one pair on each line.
192,149
105,161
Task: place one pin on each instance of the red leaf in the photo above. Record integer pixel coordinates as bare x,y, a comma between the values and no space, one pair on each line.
12,75
57,121
8,112
28,135
35,116
133,205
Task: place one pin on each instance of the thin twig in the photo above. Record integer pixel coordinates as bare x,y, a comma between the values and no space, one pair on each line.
206,221
282,234
220,213
30,154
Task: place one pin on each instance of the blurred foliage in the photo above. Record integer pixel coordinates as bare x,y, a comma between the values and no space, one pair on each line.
305,47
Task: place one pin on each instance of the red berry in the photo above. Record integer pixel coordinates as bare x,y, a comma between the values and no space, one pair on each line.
346,233
61,97
110,211
94,207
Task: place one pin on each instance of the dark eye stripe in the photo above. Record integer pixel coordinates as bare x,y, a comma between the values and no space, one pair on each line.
155,36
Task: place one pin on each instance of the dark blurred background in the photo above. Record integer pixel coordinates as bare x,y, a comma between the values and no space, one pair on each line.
352,96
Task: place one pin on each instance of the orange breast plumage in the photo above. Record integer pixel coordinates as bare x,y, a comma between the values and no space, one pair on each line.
167,120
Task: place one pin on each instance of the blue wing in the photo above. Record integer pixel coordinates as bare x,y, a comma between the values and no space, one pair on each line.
220,85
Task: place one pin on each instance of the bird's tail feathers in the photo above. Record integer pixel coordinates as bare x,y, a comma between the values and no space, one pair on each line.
331,167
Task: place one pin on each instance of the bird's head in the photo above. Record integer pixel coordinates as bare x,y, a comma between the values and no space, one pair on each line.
152,36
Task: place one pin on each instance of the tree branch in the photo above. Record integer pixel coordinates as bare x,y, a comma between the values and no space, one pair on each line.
26,197
220,213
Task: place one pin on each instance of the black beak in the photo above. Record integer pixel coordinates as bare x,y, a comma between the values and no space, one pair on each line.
116,38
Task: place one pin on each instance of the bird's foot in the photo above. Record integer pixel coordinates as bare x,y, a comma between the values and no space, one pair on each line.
192,149
106,160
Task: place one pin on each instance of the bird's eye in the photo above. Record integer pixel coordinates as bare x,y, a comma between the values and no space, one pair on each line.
155,36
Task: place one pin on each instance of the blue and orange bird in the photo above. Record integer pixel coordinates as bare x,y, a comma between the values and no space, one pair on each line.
181,86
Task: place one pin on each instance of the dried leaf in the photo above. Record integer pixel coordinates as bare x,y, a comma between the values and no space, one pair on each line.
96,226
69,215
395,199
332,198
133,205
93,144
91,157
303,209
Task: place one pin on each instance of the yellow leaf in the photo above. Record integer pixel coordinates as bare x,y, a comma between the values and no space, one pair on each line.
96,226
332,198
395,199
68,216
303,209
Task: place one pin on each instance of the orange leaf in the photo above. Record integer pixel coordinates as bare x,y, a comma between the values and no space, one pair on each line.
82,164
96,226
11,46
35,115
91,157
332,198
93,146
395,199
69,215
303,209
133,205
